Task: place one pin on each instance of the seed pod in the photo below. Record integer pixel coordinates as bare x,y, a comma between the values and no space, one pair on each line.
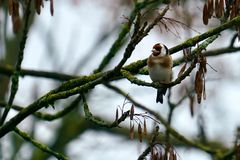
171,155
175,156
204,90
221,8
51,7
191,105
10,7
140,132
16,20
131,134
216,7
144,127
233,13
38,4
182,70
199,85
116,116
205,14
132,112
210,8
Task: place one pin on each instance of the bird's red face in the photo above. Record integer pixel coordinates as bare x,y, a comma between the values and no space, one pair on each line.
156,49
159,49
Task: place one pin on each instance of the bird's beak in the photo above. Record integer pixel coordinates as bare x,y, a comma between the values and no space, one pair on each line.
155,52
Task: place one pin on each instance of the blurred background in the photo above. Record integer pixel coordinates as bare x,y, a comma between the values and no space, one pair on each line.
74,41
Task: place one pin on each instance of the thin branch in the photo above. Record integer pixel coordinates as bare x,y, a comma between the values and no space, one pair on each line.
169,118
59,114
9,70
210,53
39,145
89,116
138,37
15,76
193,41
47,116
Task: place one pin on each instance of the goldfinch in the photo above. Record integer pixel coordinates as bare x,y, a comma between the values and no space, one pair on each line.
160,68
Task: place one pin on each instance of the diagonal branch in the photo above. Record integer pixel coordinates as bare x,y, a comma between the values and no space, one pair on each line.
47,116
39,145
15,76
138,37
89,116
193,41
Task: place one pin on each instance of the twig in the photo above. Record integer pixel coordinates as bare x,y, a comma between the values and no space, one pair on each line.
39,145
193,41
15,76
89,116
235,36
138,37
169,119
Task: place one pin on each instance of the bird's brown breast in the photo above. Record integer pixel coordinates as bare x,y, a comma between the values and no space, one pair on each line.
165,61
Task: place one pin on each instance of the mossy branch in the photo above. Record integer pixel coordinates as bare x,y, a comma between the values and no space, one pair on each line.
15,76
195,52
39,145
47,116
89,116
134,67
193,41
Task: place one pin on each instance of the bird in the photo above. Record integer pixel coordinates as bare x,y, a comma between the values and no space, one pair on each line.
160,65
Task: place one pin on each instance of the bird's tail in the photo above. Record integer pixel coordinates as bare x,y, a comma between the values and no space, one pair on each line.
160,93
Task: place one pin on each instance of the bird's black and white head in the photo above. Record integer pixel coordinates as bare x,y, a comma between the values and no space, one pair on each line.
160,49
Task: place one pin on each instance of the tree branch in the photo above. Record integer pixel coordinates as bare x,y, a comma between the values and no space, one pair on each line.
138,37
195,52
89,116
39,145
15,76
